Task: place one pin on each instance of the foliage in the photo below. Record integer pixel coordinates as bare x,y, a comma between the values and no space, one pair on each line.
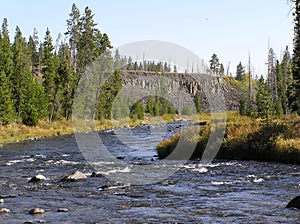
294,91
240,72
246,138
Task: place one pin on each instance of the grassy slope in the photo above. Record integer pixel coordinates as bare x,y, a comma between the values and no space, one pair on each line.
248,139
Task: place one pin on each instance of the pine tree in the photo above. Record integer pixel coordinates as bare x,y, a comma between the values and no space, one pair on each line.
214,64
5,52
33,45
65,82
49,72
73,31
243,106
264,101
30,112
138,111
197,103
294,97
221,69
240,72
89,40
7,113
21,70
150,106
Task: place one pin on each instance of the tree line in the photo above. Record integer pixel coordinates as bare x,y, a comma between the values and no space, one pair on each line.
38,78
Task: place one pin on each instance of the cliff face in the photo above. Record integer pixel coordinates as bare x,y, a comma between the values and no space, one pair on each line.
179,88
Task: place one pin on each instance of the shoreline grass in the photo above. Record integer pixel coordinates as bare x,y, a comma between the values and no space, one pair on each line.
247,138
15,132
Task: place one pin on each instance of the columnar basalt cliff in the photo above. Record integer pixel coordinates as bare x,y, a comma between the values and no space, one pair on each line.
180,86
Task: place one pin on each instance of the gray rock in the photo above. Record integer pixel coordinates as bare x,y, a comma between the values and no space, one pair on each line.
62,210
4,210
95,174
76,176
37,178
36,211
294,203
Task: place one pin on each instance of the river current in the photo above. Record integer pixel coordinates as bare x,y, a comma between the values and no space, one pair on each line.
219,192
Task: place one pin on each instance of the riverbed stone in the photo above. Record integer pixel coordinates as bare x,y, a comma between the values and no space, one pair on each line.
96,174
36,211
4,210
37,178
62,210
294,203
1,201
76,176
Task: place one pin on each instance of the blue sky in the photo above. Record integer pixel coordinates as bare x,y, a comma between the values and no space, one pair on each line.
229,28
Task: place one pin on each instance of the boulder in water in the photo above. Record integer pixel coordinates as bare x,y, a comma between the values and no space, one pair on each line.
62,210
1,201
36,211
95,174
37,178
76,176
294,203
4,210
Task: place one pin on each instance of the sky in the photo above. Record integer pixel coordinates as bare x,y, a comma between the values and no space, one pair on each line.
232,29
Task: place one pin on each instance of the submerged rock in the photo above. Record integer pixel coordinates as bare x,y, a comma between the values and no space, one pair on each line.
37,178
4,210
95,174
76,176
294,203
36,211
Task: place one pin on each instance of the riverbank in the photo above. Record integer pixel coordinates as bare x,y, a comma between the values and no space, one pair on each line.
15,132
246,139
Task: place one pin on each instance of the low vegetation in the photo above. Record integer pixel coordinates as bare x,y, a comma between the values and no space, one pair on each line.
246,138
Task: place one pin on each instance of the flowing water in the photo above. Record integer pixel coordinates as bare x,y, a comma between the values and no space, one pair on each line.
220,192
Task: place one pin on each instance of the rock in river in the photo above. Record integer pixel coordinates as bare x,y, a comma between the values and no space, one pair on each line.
294,203
76,176
96,174
36,211
62,210
4,210
37,178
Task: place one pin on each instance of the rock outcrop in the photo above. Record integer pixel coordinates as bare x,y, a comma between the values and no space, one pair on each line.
171,84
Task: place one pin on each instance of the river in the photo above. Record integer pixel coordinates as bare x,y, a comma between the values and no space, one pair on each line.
220,192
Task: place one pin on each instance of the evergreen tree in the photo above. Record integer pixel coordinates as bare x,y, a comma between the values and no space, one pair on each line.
197,103
214,64
150,106
243,106
21,70
221,70
138,111
5,52
65,82
91,42
30,110
33,45
294,97
7,113
240,72
49,72
264,100
73,31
